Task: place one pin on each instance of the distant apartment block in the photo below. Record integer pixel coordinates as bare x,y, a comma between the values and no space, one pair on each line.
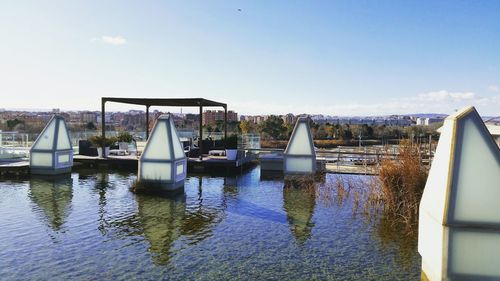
495,132
88,117
427,121
392,120
288,119
211,117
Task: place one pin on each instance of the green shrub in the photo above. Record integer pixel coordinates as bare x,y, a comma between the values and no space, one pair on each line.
97,141
124,136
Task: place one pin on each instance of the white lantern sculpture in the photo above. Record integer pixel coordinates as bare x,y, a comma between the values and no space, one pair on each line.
300,156
163,162
459,219
52,153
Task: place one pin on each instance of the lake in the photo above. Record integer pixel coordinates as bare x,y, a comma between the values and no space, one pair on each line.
90,226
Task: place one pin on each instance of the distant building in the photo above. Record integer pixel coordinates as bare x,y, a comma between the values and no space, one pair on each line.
288,119
260,118
192,117
88,117
495,132
427,121
210,117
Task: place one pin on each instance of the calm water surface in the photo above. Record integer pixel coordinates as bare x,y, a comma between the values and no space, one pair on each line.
89,226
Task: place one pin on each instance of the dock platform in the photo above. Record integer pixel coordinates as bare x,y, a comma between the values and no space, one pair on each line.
14,169
194,164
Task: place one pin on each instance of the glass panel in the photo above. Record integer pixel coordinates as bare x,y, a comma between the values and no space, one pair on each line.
61,159
46,139
180,169
158,147
300,142
476,253
299,165
178,149
477,174
156,171
41,159
63,136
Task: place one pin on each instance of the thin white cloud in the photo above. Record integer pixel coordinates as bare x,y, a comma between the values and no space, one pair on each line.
445,96
111,40
494,88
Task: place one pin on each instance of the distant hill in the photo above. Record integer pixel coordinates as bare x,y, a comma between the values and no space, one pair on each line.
436,115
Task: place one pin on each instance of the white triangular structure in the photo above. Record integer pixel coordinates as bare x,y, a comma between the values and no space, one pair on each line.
163,161
300,156
52,152
459,219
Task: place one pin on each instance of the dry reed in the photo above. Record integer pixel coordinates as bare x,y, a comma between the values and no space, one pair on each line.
401,184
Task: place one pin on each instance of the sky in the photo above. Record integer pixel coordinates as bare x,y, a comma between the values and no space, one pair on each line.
259,57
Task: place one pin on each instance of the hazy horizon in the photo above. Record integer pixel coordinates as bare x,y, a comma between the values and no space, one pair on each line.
176,110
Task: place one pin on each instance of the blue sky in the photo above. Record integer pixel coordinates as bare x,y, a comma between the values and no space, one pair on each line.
329,57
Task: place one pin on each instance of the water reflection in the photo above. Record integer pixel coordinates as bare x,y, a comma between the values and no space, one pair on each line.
393,235
52,199
161,222
100,187
204,209
299,205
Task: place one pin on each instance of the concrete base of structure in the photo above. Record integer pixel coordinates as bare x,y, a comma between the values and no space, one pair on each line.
271,162
158,187
42,171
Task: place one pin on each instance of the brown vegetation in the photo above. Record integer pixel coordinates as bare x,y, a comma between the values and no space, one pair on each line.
401,183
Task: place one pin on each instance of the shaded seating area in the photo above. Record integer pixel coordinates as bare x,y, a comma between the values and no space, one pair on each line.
203,146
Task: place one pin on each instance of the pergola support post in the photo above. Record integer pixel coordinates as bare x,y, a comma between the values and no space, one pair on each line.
147,122
200,138
103,127
225,126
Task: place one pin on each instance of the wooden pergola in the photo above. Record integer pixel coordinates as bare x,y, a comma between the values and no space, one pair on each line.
176,102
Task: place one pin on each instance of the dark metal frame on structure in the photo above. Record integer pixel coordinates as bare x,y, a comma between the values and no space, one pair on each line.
148,102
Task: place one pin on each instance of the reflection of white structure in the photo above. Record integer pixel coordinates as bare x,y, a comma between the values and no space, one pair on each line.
52,152
300,156
163,161
459,223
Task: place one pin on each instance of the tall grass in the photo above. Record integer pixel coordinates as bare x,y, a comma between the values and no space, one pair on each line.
401,183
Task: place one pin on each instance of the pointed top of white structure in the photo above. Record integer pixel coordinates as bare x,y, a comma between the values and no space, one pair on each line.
463,187
55,136
301,141
164,143
52,152
300,156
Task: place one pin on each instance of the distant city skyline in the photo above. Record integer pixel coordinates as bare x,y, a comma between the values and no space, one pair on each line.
338,58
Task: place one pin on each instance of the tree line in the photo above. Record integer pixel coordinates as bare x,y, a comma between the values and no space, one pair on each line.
274,128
